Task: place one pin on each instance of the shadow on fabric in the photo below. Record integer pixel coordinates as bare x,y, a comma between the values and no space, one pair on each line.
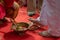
14,36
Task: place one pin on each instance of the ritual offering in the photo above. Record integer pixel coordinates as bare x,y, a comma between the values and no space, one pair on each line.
33,27
20,28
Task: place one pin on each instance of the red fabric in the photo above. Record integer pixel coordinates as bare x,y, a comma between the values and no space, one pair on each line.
2,11
6,34
16,0
9,3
